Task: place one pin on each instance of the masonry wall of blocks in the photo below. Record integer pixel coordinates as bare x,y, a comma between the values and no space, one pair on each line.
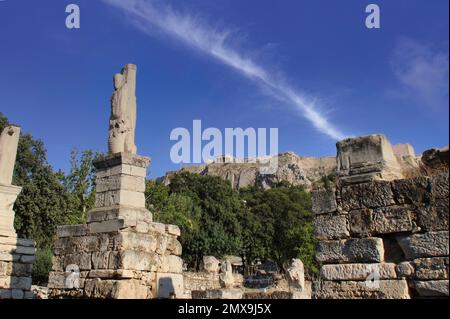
383,239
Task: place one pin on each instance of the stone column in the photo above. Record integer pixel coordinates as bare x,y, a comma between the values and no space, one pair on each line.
16,255
120,252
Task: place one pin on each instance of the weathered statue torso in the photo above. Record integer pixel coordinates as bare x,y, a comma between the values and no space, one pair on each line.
9,140
122,122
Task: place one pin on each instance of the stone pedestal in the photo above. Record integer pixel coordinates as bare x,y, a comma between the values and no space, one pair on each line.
120,252
366,158
16,255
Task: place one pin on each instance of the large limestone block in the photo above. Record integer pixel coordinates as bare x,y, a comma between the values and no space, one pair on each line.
323,201
431,268
433,217
386,220
439,186
411,191
9,139
15,249
120,197
12,282
331,226
350,251
122,163
171,264
366,158
358,271
138,260
367,195
71,230
131,216
432,288
17,241
136,241
382,289
169,285
108,226
431,244
211,264
120,181
15,269
131,289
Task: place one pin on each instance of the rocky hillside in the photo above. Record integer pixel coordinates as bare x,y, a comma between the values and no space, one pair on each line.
292,168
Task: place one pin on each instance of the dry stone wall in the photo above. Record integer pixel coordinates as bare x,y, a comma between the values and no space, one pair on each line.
382,238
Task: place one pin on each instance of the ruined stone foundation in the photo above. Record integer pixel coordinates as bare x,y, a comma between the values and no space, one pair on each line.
16,254
120,252
382,237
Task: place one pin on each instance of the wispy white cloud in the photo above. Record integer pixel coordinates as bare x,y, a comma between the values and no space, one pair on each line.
152,16
423,73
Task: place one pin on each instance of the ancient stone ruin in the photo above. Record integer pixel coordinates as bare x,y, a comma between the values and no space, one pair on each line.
120,252
382,235
16,255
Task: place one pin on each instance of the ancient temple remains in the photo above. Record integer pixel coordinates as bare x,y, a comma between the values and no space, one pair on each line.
120,252
16,255
382,235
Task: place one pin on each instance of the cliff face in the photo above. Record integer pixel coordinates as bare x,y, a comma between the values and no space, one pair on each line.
292,168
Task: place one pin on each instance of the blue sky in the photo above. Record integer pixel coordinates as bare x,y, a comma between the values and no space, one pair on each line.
310,68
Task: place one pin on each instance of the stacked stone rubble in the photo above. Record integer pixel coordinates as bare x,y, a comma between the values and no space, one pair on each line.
16,255
120,252
381,237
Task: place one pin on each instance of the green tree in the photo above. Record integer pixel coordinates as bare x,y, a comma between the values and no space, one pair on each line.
284,215
80,183
207,210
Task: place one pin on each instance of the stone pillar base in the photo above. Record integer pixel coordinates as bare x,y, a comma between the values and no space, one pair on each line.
16,264
120,252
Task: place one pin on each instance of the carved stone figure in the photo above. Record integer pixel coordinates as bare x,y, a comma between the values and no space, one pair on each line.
122,122
9,140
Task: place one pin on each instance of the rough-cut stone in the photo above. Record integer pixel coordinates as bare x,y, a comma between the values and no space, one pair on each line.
436,159
431,268
405,269
434,217
173,230
383,289
358,271
361,222
411,191
393,219
431,244
439,186
432,288
331,226
323,201
71,230
296,274
211,264
367,195
350,250
131,289
366,158
171,264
